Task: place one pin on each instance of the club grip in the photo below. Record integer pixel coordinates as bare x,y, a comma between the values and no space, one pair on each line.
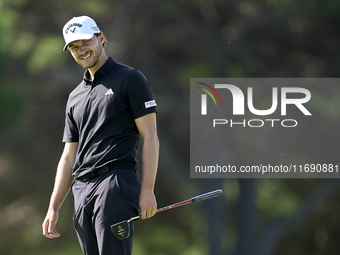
208,195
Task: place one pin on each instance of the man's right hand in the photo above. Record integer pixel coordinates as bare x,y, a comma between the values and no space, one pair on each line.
62,185
49,224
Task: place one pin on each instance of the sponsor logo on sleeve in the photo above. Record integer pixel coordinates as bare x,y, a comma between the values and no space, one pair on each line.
149,104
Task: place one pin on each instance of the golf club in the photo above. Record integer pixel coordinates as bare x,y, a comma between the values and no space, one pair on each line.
121,230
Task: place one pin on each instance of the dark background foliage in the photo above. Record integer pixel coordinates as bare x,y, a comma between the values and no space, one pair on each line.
170,42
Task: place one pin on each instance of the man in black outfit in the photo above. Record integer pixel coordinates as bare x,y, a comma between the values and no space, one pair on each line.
106,114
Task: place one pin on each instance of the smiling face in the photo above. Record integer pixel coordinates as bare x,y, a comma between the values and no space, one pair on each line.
90,53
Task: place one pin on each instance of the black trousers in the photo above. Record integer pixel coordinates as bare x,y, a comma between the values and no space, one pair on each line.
101,202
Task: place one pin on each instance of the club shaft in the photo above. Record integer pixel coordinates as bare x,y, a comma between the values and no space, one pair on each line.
192,200
174,205
198,198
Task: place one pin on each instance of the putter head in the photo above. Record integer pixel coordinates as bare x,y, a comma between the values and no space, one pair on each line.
121,230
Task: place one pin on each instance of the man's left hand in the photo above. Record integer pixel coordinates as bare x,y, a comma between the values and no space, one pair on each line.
147,204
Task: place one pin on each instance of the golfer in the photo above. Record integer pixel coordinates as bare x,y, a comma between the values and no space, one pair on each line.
106,115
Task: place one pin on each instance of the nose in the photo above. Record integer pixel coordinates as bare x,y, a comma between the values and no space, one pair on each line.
82,48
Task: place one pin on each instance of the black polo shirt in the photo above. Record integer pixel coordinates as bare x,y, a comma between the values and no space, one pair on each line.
100,116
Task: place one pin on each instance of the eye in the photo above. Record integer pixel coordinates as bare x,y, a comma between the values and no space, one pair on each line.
73,48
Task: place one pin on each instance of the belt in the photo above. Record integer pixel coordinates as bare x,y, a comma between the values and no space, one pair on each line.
95,173
106,169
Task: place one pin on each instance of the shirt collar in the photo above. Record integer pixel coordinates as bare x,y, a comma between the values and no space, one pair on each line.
102,71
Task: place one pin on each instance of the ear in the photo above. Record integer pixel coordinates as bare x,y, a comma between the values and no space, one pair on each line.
101,38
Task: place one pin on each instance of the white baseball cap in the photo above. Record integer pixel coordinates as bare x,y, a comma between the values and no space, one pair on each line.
79,28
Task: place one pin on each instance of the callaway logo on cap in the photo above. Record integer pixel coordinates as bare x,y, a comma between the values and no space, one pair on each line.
79,28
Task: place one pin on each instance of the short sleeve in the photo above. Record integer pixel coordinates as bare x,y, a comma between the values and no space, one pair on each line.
140,95
71,133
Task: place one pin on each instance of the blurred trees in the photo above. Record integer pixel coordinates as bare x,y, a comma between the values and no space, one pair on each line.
170,42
